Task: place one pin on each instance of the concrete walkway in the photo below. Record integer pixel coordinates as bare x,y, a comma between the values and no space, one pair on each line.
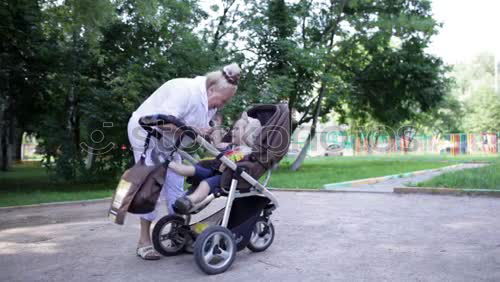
320,237
387,186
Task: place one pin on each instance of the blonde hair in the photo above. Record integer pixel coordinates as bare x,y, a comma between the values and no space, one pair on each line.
225,79
252,129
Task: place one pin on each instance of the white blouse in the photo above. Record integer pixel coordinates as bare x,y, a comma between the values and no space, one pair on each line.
184,98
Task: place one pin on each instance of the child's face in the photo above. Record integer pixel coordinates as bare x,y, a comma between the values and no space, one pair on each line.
238,132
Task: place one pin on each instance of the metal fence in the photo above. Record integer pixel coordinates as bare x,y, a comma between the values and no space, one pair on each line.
454,144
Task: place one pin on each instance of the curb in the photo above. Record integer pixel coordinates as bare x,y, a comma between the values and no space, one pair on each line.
55,204
313,190
374,180
447,191
93,201
397,190
320,190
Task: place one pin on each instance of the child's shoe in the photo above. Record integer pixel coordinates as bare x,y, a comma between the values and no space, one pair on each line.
183,205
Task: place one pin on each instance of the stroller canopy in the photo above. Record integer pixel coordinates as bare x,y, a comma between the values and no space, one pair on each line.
273,141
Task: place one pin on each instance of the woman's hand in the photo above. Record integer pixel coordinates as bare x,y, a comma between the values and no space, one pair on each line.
222,167
222,145
206,131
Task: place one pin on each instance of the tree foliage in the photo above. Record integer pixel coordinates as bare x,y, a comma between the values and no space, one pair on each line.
90,63
475,89
22,75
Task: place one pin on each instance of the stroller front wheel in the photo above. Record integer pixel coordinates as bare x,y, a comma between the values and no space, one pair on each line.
262,236
170,235
215,250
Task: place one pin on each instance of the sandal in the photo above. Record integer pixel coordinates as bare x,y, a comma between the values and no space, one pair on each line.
148,253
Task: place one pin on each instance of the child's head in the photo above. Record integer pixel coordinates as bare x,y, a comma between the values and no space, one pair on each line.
245,130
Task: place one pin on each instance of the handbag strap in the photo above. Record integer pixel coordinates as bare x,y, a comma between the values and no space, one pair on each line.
146,145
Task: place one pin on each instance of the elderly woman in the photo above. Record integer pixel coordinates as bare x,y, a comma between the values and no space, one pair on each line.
193,100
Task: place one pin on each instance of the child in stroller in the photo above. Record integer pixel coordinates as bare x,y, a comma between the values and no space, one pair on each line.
245,219
243,137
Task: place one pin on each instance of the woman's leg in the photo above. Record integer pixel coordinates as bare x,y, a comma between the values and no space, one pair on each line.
146,219
174,185
172,189
136,136
144,237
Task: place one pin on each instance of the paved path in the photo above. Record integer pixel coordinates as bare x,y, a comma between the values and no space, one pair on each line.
388,186
320,237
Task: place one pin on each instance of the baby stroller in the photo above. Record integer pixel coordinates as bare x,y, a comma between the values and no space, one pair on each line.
244,221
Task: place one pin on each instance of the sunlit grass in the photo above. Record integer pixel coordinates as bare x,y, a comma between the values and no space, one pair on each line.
475,178
317,172
29,183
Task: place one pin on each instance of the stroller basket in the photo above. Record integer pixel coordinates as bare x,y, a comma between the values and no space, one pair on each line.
213,219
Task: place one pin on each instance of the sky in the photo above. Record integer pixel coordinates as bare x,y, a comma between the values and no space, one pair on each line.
469,27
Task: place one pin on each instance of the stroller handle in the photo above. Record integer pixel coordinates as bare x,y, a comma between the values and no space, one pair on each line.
147,122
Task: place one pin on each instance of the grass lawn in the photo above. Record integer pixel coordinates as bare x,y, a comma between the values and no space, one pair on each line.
475,178
319,171
28,183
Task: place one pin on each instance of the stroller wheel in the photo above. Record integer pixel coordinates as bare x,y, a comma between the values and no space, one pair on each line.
262,236
215,250
170,235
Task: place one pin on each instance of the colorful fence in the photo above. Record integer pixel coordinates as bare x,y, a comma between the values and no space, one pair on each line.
453,144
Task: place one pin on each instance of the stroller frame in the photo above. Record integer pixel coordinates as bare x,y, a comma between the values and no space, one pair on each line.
218,239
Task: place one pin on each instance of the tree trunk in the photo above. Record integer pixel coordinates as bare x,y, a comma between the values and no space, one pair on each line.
293,123
217,35
4,152
18,143
70,123
7,139
8,143
4,128
303,153
376,143
73,121
368,143
90,158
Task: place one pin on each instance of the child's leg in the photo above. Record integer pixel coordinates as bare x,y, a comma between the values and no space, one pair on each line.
200,193
181,169
184,204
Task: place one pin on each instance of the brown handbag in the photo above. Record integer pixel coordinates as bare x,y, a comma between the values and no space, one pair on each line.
137,192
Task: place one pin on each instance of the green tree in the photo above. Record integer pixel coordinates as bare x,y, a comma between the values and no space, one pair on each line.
363,59
475,90
483,111
22,75
73,28
139,51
